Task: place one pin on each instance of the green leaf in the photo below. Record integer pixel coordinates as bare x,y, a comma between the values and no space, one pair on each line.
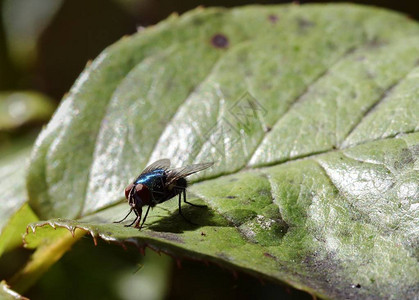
324,94
12,174
23,108
11,234
7,293
15,214
49,250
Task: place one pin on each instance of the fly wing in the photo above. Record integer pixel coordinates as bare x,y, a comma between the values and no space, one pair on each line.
163,164
175,174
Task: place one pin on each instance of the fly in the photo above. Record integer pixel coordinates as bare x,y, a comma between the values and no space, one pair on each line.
157,184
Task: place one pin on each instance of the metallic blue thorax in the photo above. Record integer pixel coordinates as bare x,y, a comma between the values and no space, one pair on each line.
153,180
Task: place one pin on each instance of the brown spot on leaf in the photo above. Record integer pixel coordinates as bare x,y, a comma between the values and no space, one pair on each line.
219,41
273,18
269,255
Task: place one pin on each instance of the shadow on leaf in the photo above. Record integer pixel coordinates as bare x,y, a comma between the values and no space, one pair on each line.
199,216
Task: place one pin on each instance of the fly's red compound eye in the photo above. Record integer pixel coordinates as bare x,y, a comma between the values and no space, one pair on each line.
128,189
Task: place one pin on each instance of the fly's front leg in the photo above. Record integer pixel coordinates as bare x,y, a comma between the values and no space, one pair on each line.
135,220
131,193
130,211
138,219
132,203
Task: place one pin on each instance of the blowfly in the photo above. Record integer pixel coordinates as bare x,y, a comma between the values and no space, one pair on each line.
157,184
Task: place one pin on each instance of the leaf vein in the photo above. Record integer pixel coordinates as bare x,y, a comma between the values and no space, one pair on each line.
300,96
376,104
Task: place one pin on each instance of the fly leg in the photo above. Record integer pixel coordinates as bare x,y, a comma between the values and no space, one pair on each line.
132,203
145,217
131,193
138,219
135,220
180,207
130,211
184,200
